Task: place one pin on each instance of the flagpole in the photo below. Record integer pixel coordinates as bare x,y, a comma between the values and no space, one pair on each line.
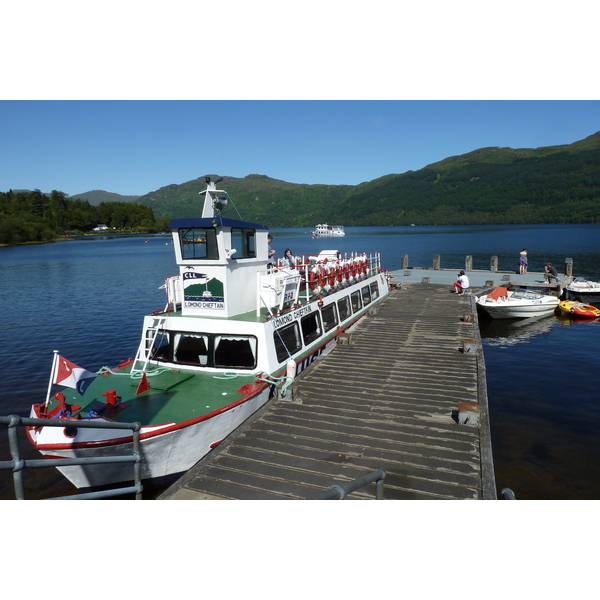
52,374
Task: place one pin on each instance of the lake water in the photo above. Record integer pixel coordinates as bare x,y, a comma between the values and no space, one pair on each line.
87,298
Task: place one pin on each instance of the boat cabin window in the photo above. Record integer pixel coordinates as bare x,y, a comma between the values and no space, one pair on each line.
328,313
237,351
344,308
311,327
191,348
374,291
243,241
198,244
355,300
366,295
209,350
287,341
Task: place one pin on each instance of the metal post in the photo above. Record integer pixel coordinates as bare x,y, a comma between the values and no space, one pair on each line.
13,442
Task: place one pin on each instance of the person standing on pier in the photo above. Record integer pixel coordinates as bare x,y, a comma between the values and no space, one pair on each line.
523,262
461,284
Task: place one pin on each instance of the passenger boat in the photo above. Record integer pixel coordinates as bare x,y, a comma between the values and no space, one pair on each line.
579,310
235,332
580,287
328,230
502,303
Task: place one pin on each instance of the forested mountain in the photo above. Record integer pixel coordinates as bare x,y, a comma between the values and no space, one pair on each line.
554,184
30,216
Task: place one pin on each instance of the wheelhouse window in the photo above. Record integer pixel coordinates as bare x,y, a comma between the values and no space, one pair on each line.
243,241
355,301
366,295
198,243
344,308
328,313
311,327
287,341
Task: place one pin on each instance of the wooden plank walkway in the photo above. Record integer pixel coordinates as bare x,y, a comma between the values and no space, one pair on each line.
387,400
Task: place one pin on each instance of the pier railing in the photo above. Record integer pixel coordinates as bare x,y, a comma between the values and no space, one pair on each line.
437,264
338,491
18,464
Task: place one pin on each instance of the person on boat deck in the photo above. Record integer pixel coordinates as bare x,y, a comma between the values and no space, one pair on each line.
289,260
461,284
523,261
271,251
551,273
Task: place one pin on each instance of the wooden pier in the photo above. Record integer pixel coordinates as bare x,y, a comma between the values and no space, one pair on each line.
393,398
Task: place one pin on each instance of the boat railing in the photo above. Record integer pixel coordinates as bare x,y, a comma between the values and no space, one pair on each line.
338,491
18,464
319,276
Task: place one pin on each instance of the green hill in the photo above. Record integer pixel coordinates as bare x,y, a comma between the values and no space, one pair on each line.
554,184
96,197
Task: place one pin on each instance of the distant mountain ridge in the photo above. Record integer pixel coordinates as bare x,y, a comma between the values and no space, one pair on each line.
488,185
96,197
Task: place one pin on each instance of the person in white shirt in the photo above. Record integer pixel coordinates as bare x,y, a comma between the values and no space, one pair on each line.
461,284
289,260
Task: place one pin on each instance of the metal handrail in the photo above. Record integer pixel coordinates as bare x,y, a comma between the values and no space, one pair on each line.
338,491
17,464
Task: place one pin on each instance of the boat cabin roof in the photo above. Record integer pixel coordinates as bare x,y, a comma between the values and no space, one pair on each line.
213,222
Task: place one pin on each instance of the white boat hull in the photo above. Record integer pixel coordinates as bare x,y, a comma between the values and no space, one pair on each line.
518,312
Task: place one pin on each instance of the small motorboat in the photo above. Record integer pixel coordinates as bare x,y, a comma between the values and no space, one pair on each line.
581,287
579,310
502,303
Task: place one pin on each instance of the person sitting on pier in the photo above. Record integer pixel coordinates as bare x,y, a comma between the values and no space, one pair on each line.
551,273
461,284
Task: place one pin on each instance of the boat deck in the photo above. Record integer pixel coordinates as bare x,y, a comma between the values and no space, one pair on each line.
389,399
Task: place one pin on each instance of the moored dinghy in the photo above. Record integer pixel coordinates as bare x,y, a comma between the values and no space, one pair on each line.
233,330
502,303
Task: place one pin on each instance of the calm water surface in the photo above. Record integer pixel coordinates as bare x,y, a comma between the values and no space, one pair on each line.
87,299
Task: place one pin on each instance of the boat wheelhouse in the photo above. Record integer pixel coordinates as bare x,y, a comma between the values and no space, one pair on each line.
234,332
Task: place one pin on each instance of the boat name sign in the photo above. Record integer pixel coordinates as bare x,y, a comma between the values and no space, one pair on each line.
292,316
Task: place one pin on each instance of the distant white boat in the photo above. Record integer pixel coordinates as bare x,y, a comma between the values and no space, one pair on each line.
518,304
325,230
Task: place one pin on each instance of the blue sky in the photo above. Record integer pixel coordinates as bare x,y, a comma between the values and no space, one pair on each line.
139,95
135,147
